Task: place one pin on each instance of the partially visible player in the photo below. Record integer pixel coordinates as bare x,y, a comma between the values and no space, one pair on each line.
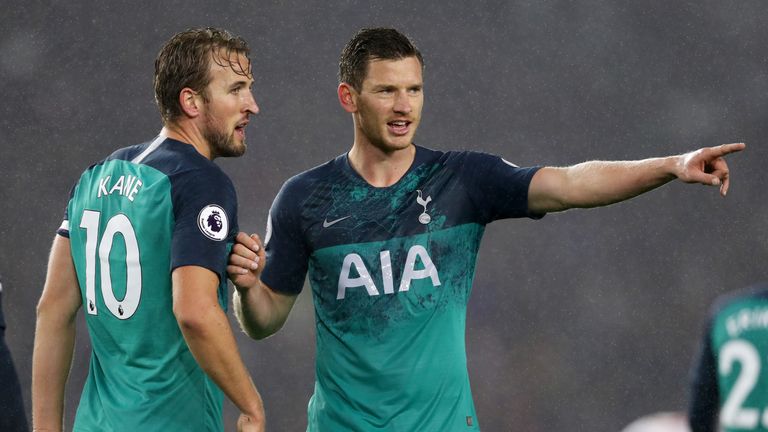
143,248
669,421
12,416
388,234
729,386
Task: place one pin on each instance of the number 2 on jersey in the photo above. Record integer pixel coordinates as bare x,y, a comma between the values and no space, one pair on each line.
125,308
734,414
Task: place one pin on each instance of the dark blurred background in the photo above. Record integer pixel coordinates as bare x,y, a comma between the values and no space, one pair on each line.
582,321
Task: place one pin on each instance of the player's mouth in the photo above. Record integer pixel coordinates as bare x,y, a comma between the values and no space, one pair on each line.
399,127
240,129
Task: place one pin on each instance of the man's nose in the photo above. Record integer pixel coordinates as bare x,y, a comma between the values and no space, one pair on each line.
402,103
250,104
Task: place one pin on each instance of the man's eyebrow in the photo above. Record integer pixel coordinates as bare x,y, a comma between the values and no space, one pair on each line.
240,84
383,86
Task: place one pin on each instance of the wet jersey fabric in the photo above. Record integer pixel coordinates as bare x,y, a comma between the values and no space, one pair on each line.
391,272
730,382
131,220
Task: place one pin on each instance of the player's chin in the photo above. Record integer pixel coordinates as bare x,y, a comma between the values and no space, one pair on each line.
235,149
239,149
401,142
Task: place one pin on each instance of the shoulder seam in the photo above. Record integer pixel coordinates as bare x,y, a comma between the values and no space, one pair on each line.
152,147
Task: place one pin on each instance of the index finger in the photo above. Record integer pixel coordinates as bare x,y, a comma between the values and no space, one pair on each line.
725,149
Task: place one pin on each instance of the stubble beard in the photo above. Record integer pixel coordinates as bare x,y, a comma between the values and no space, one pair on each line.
388,145
378,138
221,143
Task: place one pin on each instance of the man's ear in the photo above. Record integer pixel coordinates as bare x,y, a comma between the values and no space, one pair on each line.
347,97
190,102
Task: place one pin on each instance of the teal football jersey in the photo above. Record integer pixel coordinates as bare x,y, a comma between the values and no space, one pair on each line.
730,386
391,272
131,220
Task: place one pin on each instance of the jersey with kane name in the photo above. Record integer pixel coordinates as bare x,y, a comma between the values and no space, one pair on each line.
131,220
391,272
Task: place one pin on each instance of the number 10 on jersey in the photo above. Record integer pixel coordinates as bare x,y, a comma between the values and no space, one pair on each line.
118,224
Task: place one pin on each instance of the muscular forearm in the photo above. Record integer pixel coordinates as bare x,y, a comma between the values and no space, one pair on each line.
209,336
54,338
51,362
598,183
212,343
258,312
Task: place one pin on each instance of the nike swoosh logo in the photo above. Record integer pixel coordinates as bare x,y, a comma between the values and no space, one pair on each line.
326,223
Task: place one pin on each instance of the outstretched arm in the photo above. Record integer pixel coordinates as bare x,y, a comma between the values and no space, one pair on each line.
260,310
209,336
599,183
54,338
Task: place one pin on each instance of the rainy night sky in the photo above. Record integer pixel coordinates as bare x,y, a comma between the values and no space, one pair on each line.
582,321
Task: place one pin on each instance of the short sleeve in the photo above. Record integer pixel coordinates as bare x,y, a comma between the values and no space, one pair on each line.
497,188
287,254
63,229
205,213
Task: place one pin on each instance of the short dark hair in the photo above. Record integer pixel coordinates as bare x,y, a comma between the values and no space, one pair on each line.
373,44
184,61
